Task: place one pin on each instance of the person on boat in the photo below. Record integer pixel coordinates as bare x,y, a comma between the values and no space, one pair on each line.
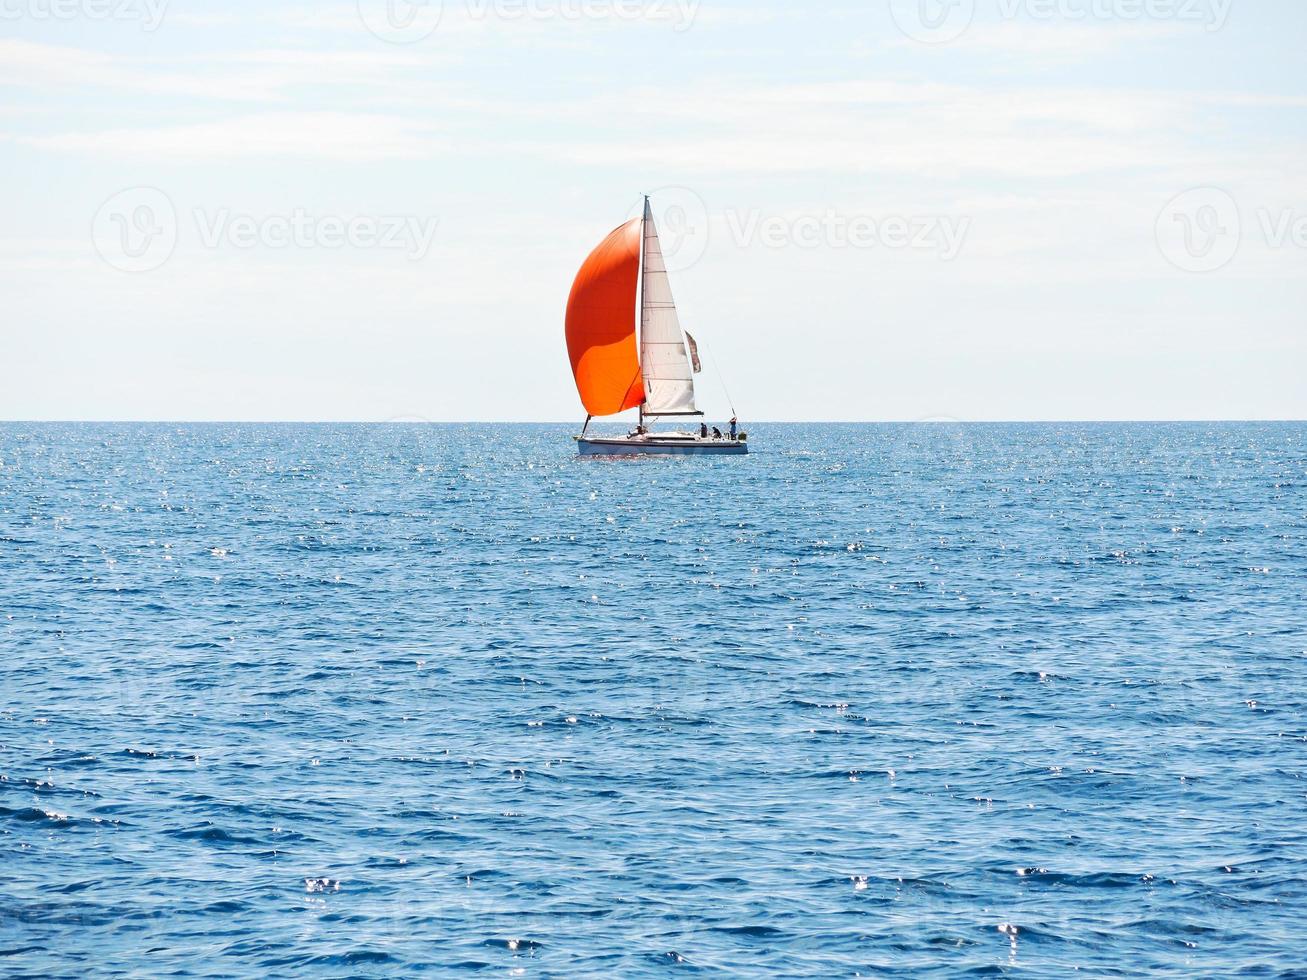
703,430
716,432
733,422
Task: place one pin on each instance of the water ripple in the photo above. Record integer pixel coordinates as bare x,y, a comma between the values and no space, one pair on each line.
926,700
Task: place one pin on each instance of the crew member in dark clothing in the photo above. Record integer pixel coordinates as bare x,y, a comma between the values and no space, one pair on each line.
716,432
703,430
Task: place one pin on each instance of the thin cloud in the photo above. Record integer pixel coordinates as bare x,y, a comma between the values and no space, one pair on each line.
270,75
325,135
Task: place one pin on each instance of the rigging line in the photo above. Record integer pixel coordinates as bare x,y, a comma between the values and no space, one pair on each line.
717,367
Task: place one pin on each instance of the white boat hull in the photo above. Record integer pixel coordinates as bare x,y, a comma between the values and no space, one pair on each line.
654,446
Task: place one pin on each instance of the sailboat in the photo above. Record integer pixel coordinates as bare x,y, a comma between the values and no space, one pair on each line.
616,372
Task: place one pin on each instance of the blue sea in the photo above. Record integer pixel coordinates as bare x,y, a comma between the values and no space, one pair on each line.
927,700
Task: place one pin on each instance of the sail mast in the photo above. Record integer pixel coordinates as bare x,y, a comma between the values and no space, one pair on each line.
644,218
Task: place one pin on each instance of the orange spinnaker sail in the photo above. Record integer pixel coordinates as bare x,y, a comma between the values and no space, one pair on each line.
601,325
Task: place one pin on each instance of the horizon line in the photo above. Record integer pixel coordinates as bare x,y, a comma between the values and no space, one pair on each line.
931,420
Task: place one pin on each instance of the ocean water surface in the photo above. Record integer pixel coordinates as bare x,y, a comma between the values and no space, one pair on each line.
927,700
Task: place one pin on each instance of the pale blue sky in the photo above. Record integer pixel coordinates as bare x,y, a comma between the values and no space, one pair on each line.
1044,199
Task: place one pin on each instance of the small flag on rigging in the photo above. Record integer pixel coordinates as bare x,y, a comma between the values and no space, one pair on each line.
694,353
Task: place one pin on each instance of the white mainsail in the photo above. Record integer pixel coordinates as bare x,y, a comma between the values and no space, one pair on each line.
668,380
